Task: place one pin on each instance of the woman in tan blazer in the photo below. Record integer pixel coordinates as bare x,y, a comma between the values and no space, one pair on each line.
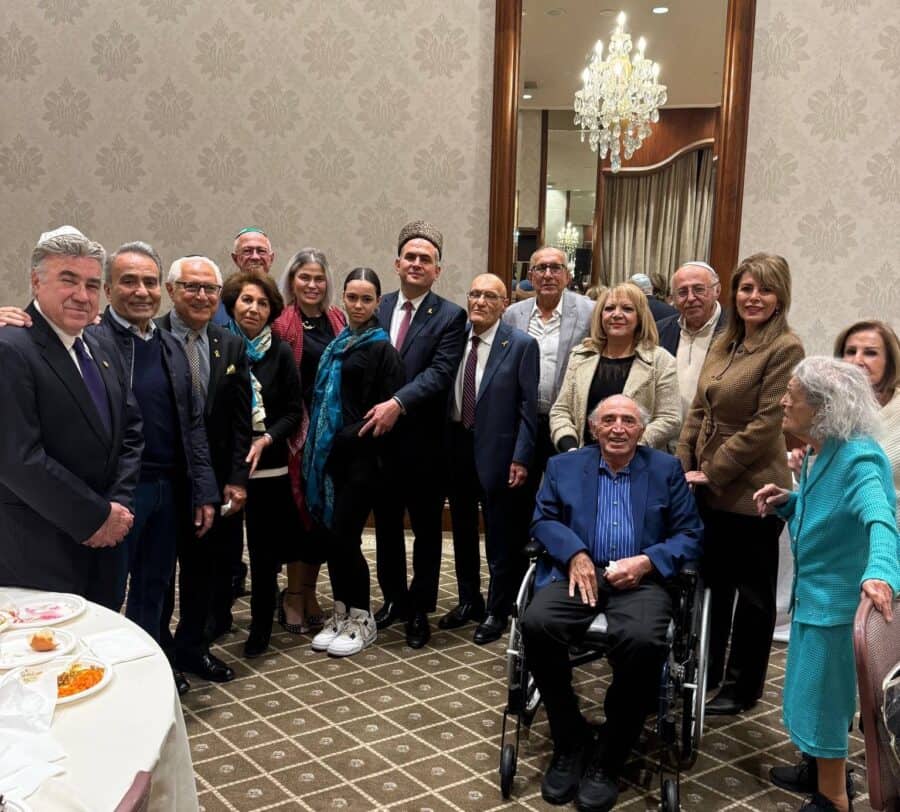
731,445
620,356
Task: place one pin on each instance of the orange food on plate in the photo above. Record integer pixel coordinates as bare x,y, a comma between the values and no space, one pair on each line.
77,678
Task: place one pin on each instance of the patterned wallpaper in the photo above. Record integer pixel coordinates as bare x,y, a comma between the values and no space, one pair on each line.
823,167
528,168
329,123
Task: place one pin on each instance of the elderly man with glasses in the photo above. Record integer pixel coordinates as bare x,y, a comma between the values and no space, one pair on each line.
558,319
492,409
689,334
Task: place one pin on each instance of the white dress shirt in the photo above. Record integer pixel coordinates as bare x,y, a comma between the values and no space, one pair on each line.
399,313
691,353
547,335
484,350
67,341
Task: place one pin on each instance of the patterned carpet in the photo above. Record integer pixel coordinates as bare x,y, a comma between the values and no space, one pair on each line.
420,730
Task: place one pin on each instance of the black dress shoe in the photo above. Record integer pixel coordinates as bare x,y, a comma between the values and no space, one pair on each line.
560,783
462,614
803,777
490,629
598,791
207,667
726,703
257,643
417,631
390,613
181,683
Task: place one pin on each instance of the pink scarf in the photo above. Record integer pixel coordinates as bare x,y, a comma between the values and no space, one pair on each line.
289,327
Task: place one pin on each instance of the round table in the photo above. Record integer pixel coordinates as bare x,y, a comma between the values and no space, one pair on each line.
133,724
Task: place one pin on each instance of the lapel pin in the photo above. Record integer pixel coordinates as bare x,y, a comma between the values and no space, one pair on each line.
231,369
105,363
503,343
217,354
430,310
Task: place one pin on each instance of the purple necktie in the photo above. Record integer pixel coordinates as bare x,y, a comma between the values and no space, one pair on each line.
467,412
93,382
404,325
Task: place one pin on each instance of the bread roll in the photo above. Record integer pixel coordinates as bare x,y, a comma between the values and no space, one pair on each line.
43,640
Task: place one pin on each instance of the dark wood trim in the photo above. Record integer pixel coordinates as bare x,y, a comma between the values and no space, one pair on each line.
637,171
597,245
732,138
502,212
542,189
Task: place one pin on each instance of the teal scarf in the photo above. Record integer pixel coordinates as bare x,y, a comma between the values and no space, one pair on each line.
327,419
255,348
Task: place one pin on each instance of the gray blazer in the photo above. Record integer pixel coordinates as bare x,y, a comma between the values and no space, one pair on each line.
576,323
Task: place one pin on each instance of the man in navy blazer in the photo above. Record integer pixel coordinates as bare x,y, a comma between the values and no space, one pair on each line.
70,449
428,332
617,521
491,432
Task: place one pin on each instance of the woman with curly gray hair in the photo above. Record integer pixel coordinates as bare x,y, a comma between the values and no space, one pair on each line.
844,539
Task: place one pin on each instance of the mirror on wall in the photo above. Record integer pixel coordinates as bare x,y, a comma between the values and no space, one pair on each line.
657,210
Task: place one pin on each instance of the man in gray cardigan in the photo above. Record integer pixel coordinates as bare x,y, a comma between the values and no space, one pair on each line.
558,320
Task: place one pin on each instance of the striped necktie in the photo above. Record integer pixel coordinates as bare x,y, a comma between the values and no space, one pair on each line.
467,412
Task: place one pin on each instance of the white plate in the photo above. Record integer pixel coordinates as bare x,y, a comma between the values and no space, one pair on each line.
15,650
5,621
47,610
17,806
57,667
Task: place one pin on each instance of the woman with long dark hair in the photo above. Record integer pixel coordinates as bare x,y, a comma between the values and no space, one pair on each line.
340,469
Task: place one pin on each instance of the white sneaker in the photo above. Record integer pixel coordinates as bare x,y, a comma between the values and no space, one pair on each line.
331,629
359,631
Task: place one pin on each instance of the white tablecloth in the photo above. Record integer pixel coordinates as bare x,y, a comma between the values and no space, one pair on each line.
133,724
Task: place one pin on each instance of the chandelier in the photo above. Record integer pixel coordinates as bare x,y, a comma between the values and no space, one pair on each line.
568,239
620,97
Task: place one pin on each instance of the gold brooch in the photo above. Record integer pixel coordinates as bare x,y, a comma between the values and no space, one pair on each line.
231,368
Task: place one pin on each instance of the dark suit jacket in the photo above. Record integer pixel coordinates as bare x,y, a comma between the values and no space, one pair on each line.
227,408
666,523
506,407
670,331
194,447
59,467
660,309
431,353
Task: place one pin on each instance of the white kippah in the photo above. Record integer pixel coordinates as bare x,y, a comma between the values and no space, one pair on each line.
62,231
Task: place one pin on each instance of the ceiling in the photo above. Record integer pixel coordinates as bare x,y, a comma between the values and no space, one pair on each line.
688,43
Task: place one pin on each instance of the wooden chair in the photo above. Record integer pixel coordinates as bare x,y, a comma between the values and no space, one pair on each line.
877,648
137,799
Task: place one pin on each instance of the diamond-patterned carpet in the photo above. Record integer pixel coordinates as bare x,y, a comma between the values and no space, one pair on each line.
420,730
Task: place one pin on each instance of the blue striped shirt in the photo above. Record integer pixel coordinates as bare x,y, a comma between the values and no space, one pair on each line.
614,535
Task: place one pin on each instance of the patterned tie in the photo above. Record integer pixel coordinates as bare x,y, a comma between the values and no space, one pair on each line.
192,351
93,382
404,325
467,413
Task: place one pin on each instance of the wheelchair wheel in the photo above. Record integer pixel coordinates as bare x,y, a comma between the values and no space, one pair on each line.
669,796
507,769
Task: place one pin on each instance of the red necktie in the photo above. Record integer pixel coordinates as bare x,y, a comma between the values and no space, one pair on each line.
404,325
467,412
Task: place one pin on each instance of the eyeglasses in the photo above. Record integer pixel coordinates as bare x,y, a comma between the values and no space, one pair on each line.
698,290
548,267
489,296
194,288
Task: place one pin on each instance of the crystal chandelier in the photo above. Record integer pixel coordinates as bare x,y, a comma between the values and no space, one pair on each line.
568,239
620,97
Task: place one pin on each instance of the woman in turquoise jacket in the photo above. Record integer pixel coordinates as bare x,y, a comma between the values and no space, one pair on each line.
844,539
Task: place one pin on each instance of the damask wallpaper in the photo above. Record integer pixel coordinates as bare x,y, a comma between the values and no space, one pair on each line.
326,122
823,168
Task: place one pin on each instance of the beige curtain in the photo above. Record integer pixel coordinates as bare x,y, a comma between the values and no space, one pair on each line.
653,223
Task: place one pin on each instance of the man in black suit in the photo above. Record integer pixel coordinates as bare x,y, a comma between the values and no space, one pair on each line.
689,333
429,332
493,418
660,309
221,377
71,443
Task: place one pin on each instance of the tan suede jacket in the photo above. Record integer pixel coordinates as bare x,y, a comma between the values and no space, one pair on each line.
652,382
733,430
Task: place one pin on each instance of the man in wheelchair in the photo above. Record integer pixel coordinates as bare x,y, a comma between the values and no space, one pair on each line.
617,520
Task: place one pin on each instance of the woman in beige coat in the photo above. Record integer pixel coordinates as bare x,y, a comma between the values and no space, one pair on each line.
731,445
621,356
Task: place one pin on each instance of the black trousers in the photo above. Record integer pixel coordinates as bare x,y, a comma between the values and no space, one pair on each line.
507,516
638,619
543,450
740,557
272,523
411,481
203,565
355,486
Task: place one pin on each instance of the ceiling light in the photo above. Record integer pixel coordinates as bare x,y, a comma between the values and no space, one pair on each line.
527,96
661,10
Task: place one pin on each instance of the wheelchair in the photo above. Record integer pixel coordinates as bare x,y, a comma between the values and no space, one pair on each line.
682,684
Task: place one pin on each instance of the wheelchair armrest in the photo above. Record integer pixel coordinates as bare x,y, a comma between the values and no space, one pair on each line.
534,549
689,572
